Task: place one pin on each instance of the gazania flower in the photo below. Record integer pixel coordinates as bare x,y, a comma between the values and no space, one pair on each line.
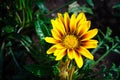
71,37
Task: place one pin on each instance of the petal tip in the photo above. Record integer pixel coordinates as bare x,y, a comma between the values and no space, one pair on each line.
96,30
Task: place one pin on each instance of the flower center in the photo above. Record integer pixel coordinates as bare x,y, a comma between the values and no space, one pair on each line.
70,41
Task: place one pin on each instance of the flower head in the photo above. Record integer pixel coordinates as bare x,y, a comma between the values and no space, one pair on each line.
72,37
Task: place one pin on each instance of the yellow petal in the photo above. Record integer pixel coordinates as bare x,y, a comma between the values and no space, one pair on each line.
81,17
60,17
61,25
56,52
51,40
58,26
56,34
83,28
59,48
90,34
51,49
72,23
78,60
66,20
71,53
89,43
61,54
53,24
83,51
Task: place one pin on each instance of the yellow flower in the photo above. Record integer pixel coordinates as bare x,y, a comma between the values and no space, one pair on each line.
72,37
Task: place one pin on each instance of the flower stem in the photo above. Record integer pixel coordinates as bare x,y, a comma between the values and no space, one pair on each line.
103,56
60,7
71,73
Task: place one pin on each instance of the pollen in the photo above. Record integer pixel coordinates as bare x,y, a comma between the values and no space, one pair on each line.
70,41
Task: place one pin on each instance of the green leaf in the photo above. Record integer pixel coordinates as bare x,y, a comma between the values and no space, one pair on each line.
7,29
1,59
117,5
26,42
107,46
44,28
55,70
21,4
9,44
74,8
39,31
116,50
116,70
14,58
39,70
109,32
28,10
90,2
28,15
88,63
43,9
86,9
117,39
34,50
27,38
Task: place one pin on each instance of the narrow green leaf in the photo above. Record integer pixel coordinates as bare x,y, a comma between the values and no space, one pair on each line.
88,64
117,5
109,32
30,14
86,9
55,70
7,29
74,8
28,10
90,2
21,4
116,50
44,28
107,46
39,32
14,58
27,38
43,9
26,42
9,44
1,59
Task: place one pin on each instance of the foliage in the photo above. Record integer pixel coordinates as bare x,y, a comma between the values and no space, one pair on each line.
75,7
24,24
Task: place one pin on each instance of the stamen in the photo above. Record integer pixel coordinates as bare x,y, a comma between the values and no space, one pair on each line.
70,41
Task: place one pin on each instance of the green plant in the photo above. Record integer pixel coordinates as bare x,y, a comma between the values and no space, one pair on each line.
24,25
